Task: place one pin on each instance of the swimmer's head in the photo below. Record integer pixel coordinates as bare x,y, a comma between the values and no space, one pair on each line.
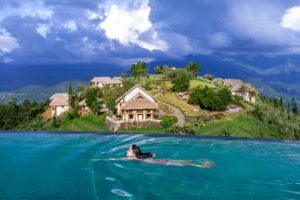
131,152
135,152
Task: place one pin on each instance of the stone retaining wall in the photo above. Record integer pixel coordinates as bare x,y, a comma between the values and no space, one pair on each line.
114,124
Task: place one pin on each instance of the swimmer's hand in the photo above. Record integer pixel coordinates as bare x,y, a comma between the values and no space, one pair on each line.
153,155
208,164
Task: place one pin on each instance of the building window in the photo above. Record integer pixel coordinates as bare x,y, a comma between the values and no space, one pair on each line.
130,116
148,116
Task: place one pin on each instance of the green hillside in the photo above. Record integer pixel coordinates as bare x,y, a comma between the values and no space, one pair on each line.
88,123
37,93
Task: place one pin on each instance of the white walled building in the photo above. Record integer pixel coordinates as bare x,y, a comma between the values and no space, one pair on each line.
137,105
59,103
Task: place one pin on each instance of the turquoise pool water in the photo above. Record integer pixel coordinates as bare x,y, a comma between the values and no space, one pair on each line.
60,166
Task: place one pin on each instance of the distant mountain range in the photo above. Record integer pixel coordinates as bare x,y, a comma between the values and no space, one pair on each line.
273,76
38,93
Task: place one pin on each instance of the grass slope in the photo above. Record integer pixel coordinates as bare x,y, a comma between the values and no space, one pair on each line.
85,123
243,125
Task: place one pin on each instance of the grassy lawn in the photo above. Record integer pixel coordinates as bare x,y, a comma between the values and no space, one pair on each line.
199,82
85,123
187,109
241,125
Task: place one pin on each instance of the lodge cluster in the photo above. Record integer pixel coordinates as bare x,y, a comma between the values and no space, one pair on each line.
135,105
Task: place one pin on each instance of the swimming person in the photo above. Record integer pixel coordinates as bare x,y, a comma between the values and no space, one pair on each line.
135,153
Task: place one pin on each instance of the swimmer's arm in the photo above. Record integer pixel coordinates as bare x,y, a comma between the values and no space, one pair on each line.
97,159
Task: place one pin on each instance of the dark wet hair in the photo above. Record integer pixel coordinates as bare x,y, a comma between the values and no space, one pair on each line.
139,154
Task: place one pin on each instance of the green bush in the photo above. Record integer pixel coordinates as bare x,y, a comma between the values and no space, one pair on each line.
181,82
168,121
188,128
72,115
211,99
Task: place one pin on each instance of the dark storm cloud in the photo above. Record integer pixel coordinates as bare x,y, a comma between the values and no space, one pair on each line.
68,30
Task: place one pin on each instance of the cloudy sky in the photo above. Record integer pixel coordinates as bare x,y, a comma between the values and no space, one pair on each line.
83,31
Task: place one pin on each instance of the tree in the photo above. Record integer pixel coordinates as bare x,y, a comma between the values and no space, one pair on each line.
181,82
208,77
139,69
294,106
193,68
93,97
158,69
71,96
124,76
127,83
281,104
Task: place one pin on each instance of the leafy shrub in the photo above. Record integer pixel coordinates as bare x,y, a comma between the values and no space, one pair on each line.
72,115
219,115
188,128
168,121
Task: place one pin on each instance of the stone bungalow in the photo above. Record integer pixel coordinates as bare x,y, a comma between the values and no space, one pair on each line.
106,81
59,103
136,108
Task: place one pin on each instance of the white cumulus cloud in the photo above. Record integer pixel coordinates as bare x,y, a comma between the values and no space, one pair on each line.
7,45
291,19
127,25
43,29
70,25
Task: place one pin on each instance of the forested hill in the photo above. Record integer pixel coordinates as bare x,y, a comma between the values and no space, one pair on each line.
37,93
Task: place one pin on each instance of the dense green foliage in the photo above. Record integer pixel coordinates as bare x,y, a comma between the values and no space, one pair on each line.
111,95
210,99
168,121
273,113
93,99
139,69
181,82
13,115
72,97
187,128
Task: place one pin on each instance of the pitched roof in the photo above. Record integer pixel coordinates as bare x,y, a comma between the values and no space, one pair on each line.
59,99
112,81
59,95
136,86
234,84
139,102
100,79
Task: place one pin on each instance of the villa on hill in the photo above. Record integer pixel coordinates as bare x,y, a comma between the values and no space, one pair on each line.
238,88
106,81
59,103
136,107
